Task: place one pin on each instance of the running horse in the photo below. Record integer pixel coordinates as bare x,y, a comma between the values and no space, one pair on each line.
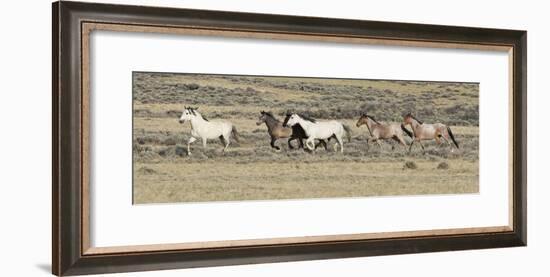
276,131
380,131
422,131
320,130
204,129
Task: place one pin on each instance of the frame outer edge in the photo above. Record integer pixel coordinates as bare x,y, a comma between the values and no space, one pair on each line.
67,257
55,140
521,113
67,127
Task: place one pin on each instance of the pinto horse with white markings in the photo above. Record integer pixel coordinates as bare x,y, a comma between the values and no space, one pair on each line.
320,130
204,129
276,130
422,131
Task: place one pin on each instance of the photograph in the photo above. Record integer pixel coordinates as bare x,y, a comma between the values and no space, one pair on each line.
213,137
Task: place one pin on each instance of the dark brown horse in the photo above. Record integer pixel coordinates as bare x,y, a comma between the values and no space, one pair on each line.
276,131
424,131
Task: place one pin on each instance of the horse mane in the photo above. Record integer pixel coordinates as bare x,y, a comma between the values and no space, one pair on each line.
270,114
306,117
194,112
372,118
303,116
410,114
417,120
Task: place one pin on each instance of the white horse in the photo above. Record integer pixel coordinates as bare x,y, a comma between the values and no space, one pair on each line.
204,129
320,130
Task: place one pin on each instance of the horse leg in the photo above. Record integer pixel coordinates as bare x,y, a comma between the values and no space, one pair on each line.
394,140
440,144
273,139
444,135
437,140
379,144
448,143
289,144
341,142
328,140
204,143
422,145
222,140
311,141
446,140
401,140
411,146
377,140
321,141
191,140
227,142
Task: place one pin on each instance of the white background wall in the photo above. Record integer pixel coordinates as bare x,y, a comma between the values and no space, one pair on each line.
25,137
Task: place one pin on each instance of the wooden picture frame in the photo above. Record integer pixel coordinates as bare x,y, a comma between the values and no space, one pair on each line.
72,24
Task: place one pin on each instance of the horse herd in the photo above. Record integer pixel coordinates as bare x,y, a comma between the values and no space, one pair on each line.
301,127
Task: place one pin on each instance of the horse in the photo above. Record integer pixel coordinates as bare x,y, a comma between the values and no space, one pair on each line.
204,129
423,131
379,131
320,130
276,130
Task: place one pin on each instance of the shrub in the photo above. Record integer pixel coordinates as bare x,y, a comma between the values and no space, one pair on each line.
410,165
146,171
180,151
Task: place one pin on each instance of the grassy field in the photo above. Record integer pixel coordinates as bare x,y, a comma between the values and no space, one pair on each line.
251,170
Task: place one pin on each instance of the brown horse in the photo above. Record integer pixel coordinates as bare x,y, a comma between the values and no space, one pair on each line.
380,131
276,131
423,131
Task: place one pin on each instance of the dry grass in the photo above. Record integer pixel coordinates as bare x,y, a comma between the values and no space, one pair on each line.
195,182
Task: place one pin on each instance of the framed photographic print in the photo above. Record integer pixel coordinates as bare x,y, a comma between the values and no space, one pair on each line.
187,138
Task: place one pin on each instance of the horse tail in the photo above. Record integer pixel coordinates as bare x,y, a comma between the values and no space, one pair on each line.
452,136
348,131
235,133
409,133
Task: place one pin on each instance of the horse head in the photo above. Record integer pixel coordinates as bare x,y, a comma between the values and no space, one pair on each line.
187,114
409,118
291,120
362,120
261,119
